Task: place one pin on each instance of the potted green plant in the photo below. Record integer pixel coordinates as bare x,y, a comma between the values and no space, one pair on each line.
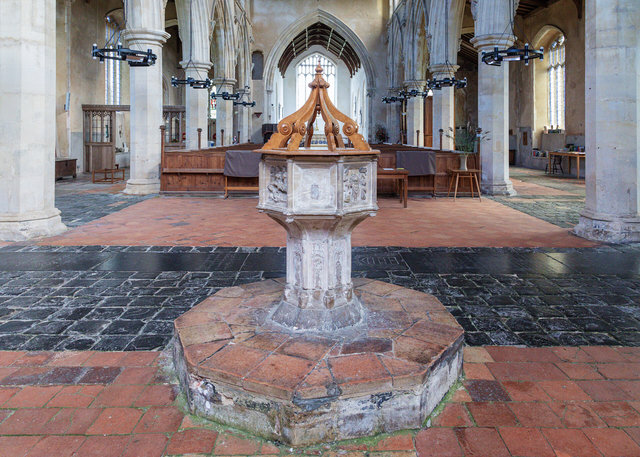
466,142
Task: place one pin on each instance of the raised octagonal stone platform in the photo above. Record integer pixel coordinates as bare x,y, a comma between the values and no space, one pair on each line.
239,367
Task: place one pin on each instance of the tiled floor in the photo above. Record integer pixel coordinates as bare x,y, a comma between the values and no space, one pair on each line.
541,217
236,222
125,298
554,402
128,267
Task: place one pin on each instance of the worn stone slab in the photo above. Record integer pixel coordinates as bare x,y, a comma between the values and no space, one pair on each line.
304,388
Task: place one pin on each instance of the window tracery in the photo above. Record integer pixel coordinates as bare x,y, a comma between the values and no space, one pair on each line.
556,78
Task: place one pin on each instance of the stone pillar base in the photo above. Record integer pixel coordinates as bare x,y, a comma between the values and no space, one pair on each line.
142,186
608,229
31,225
505,188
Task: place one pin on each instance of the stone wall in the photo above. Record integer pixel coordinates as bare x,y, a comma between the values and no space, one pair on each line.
528,104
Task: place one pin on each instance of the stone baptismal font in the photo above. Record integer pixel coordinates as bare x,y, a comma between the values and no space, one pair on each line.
318,356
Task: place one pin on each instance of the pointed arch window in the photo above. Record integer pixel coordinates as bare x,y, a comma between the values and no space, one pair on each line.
112,74
556,76
306,71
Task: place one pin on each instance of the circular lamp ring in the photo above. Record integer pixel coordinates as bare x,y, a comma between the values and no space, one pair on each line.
195,83
132,57
437,84
512,54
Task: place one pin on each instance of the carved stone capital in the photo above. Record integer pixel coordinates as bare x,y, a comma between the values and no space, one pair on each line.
146,37
196,66
442,70
417,84
224,83
488,42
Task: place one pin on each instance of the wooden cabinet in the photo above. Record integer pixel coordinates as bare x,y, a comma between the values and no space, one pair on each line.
65,167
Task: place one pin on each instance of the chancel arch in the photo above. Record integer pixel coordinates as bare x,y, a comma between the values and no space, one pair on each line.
322,25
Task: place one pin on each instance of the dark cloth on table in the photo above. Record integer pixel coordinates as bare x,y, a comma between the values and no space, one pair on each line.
241,164
417,163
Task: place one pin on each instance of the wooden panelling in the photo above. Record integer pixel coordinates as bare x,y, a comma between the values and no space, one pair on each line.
445,161
201,170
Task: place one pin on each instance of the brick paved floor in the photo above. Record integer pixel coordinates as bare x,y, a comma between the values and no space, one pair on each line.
513,401
236,222
540,216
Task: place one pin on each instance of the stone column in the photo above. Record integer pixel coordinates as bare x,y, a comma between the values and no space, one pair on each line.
393,122
27,120
443,106
146,113
415,114
244,123
493,117
224,113
196,104
612,102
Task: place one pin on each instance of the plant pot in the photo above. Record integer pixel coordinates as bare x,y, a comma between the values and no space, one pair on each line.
463,161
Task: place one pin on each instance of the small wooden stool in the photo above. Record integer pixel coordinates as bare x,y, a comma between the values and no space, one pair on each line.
109,175
471,175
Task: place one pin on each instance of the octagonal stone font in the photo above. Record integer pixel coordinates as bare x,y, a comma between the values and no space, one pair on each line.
317,356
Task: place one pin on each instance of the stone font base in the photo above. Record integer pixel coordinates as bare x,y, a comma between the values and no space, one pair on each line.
303,388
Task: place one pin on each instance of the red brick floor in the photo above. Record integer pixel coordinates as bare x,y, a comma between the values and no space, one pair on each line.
537,402
236,222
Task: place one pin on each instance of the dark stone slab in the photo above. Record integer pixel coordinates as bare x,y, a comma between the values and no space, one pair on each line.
485,390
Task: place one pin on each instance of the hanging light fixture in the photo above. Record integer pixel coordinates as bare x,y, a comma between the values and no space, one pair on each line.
195,83
134,57
402,96
235,96
513,53
437,84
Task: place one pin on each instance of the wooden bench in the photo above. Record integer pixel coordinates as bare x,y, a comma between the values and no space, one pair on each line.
109,175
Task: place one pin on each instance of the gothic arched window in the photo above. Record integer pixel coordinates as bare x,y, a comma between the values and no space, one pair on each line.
306,71
111,67
556,75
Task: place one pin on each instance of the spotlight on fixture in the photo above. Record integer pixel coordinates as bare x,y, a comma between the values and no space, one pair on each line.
132,57
243,103
512,54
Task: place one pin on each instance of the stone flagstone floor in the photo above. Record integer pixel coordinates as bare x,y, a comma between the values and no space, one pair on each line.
537,402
